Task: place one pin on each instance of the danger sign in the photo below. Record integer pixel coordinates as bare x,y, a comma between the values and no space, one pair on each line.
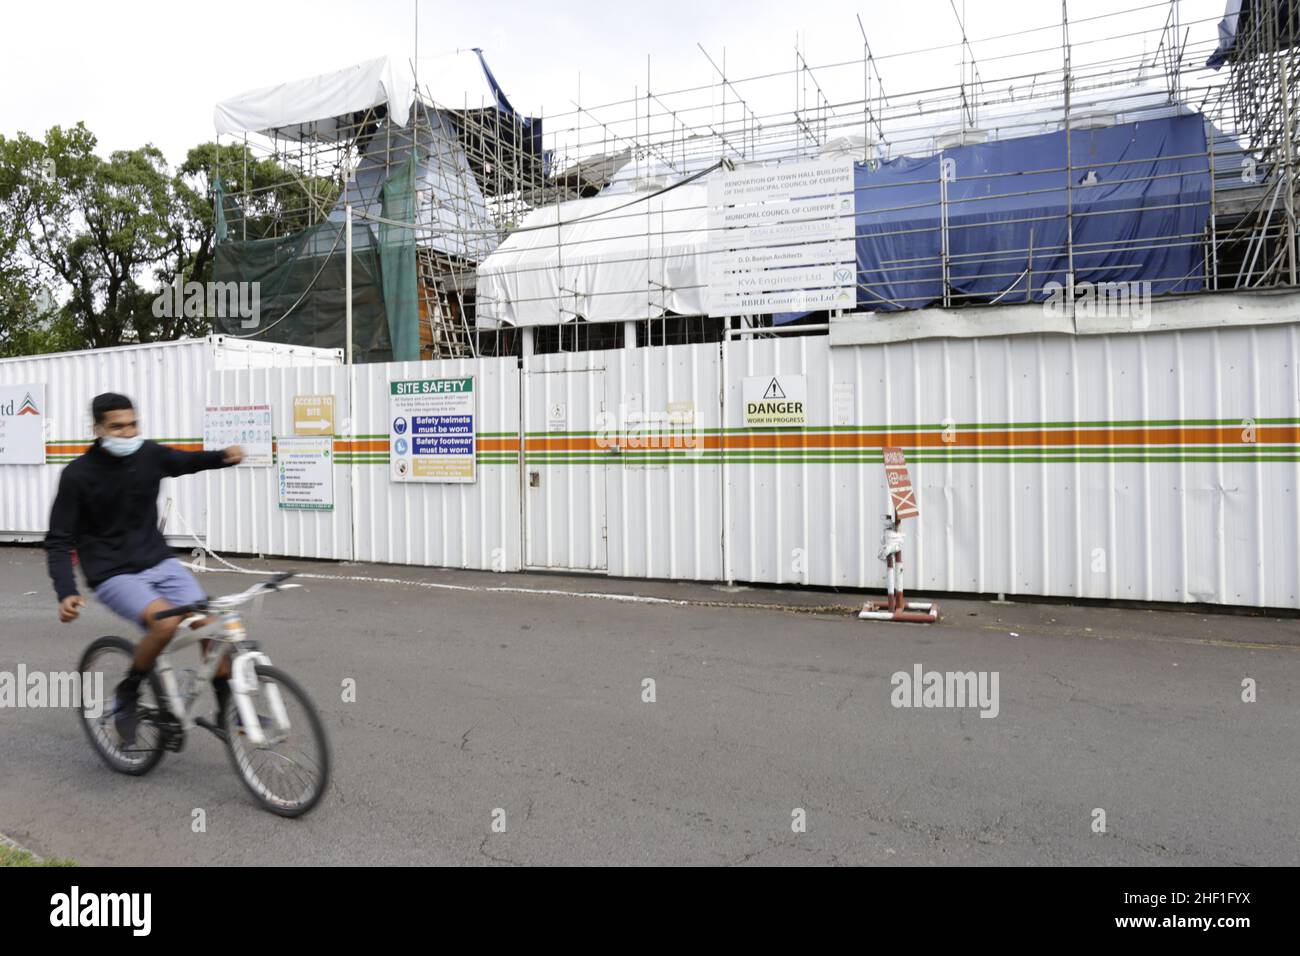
776,400
901,493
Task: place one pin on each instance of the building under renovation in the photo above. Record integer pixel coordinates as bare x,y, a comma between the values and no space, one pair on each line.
1053,162
1055,267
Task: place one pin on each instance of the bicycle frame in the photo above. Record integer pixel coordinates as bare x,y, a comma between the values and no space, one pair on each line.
225,628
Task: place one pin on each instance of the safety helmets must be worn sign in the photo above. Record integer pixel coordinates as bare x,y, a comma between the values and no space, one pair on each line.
775,400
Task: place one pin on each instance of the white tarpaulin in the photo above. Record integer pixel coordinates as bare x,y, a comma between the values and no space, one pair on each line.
605,259
315,107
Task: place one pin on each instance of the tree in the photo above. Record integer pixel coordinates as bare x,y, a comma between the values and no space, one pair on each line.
264,199
95,226
108,235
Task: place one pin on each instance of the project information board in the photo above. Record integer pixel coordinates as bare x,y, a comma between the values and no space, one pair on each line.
305,476
431,430
781,238
248,426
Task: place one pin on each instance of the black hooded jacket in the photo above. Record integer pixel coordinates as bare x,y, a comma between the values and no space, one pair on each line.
106,510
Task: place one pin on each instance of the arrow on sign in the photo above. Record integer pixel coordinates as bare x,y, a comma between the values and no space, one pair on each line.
313,423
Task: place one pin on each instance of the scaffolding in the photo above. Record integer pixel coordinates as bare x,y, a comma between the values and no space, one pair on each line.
476,167
1262,94
1068,74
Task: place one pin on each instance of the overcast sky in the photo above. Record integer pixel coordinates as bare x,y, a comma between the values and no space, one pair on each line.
146,71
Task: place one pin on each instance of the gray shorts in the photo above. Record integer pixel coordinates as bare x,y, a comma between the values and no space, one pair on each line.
129,594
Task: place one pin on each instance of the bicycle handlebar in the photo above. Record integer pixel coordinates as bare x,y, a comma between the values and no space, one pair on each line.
229,600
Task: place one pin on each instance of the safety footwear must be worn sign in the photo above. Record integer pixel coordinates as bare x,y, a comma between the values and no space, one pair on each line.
775,400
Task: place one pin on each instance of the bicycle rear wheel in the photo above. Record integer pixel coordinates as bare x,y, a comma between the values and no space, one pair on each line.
288,773
104,663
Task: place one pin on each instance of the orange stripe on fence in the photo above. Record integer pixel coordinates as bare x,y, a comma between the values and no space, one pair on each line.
972,438
78,448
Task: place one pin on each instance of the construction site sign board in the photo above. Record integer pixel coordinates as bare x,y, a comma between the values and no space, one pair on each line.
901,493
313,414
432,435
775,400
248,426
22,424
780,238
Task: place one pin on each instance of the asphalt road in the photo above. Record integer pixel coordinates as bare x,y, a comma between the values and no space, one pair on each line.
470,701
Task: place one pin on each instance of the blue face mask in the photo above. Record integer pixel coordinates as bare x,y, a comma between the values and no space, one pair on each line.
121,447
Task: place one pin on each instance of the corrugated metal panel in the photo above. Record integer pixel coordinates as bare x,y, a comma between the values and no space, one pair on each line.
441,525
665,491
244,514
1157,466
627,475
166,380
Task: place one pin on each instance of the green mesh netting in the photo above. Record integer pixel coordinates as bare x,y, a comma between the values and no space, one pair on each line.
301,292
397,262
301,277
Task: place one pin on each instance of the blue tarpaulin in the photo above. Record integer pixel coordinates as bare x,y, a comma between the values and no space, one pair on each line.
1140,198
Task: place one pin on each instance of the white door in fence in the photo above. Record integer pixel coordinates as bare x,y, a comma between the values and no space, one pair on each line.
564,467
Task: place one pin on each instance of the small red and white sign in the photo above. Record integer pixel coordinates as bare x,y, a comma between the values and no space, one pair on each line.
901,493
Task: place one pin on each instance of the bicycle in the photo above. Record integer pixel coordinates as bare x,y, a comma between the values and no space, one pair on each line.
256,722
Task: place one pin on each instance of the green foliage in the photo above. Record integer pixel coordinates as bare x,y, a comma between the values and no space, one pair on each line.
9,856
106,235
266,200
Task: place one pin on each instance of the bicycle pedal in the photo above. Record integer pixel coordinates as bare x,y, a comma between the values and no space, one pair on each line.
211,727
171,735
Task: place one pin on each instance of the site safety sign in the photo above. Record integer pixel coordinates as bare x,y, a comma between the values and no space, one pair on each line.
431,430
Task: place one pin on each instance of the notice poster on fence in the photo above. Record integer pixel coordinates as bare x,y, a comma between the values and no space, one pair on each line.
306,473
22,424
248,426
431,430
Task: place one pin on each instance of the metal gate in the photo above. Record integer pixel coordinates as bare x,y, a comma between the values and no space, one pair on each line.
566,459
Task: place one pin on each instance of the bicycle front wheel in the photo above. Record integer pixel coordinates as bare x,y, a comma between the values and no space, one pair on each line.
289,771
104,664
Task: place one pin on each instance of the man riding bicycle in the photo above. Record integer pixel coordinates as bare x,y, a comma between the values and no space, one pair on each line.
106,510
